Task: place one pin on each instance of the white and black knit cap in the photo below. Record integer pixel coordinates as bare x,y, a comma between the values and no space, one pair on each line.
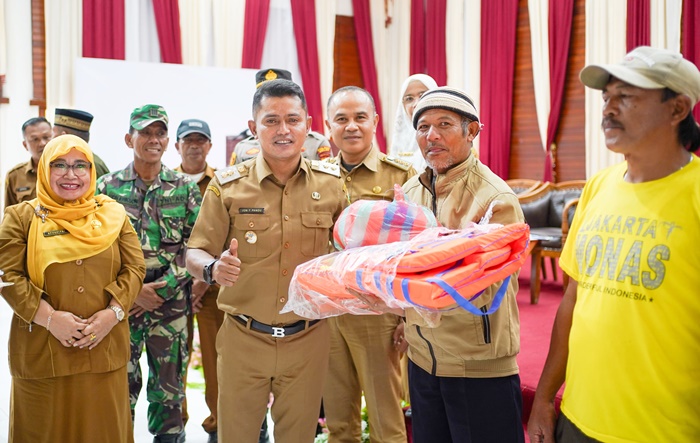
445,98
648,68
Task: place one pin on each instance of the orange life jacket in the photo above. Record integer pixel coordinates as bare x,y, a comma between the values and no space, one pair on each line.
438,270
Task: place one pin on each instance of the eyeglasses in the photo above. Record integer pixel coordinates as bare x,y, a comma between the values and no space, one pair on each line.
408,99
79,168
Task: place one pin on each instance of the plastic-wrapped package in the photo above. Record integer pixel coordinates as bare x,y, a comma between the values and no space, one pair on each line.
374,222
439,269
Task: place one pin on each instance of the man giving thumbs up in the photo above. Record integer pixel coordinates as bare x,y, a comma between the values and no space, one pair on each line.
260,219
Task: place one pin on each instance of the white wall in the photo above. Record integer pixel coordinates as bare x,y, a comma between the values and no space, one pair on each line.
111,89
18,86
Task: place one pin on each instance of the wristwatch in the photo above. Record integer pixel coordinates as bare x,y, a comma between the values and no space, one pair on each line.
119,312
207,272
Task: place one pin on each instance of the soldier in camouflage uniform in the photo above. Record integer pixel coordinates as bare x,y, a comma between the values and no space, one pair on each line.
316,146
162,206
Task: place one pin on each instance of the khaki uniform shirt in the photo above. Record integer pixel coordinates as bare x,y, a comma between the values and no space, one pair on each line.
203,182
277,226
20,184
316,147
374,178
82,287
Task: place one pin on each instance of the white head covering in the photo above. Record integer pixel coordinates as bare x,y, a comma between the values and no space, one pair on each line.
404,143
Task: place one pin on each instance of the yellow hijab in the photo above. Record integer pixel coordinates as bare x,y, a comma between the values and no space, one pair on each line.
93,222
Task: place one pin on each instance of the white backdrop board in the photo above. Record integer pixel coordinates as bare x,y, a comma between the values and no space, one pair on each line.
111,89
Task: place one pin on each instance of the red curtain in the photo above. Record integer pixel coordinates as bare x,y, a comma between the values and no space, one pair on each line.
103,29
363,30
257,13
304,20
436,57
428,47
498,30
561,14
417,62
690,45
167,14
638,23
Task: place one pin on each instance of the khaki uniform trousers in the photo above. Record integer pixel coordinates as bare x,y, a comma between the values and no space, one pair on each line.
252,364
363,359
209,320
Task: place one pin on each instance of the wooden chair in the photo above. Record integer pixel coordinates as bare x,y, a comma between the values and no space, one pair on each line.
523,185
549,212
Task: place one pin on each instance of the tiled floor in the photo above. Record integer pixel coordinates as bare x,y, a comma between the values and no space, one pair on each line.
195,398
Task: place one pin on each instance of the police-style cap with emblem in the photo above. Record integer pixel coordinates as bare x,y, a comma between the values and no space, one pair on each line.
147,115
193,126
446,98
264,75
648,68
73,118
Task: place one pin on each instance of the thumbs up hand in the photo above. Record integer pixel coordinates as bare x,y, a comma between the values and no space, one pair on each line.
233,247
228,268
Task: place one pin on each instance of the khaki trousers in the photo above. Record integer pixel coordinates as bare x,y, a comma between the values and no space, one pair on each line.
363,359
252,364
209,320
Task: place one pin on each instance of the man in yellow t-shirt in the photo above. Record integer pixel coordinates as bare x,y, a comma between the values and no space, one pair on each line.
626,339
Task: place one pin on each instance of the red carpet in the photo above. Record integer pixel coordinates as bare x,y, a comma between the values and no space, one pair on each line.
535,330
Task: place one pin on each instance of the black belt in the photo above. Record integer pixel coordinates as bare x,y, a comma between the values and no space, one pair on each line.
275,331
154,274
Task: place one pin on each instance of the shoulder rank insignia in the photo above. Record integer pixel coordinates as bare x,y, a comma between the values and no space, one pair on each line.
324,166
397,162
230,174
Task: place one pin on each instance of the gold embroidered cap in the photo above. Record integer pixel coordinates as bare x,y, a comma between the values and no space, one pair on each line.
73,118
264,75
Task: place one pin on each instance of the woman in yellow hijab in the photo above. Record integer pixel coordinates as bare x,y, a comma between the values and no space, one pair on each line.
76,266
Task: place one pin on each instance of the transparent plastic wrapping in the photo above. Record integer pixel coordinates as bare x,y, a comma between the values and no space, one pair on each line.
437,270
378,222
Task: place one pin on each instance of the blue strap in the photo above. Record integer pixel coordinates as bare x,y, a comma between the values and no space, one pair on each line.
464,303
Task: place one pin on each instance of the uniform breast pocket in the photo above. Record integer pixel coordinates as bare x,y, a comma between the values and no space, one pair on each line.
315,233
23,193
172,223
253,234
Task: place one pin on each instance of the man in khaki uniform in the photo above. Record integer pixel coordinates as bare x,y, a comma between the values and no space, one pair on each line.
364,356
259,221
316,146
193,144
20,183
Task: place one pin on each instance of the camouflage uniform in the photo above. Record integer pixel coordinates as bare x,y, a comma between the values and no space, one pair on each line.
316,147
163,215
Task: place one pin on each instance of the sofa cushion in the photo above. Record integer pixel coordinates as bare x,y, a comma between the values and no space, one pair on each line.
536,212
559,199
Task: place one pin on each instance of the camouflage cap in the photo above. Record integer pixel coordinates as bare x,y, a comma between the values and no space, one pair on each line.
146,115
264,75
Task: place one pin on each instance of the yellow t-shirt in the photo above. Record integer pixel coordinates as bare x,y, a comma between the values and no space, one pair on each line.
633,373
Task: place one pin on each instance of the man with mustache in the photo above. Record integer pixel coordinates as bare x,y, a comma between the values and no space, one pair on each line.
462,373
193,144
162,206
625,338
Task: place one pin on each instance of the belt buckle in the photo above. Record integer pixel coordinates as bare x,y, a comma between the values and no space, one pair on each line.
277,332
